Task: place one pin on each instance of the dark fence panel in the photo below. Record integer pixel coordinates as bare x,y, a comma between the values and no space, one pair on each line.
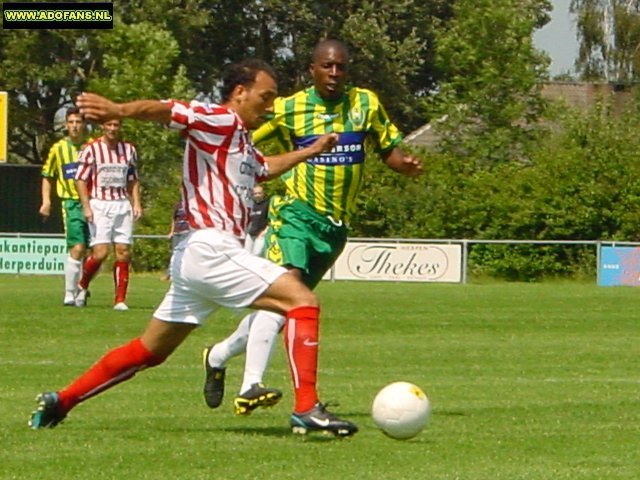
20,200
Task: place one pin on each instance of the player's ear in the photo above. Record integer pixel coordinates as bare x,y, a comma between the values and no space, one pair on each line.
239,93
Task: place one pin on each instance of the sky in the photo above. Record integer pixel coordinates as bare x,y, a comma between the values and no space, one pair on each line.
558,39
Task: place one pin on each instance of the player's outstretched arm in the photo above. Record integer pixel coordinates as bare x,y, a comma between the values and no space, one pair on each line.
98,108
400,162
278,164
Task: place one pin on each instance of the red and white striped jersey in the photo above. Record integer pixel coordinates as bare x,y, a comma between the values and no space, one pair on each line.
107,170
221,166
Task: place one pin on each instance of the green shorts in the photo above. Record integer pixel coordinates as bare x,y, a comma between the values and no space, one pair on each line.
76,228
300,237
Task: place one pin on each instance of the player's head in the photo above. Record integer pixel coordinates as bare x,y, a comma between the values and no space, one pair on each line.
74,124
250,87
111,130
329,68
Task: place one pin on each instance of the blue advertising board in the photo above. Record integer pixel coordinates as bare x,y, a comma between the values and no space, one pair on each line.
619,266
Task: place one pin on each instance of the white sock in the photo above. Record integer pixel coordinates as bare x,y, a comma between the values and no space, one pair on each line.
72,272
263,332
231,346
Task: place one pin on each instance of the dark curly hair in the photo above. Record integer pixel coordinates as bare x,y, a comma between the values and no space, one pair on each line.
244,73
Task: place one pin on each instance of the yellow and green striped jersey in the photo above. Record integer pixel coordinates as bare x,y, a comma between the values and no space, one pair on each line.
328,183
62,164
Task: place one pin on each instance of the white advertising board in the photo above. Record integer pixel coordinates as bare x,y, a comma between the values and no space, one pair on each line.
400,262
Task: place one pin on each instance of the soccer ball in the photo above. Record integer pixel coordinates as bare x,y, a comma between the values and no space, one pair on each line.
401,410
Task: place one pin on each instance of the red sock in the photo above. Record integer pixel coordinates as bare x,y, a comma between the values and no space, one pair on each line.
301,341
121,280
89,270
115,366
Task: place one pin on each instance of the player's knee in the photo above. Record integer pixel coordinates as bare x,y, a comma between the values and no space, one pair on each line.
305,297
77,252
123,253
100,252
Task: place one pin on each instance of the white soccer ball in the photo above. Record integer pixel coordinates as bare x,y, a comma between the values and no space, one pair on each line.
401,410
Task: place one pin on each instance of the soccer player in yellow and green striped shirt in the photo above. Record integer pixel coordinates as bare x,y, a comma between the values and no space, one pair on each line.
308,226
60,168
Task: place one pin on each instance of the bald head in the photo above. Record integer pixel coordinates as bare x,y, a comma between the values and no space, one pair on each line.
329,44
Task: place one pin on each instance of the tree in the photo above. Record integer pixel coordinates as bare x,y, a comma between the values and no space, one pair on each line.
490,96
609,36
42,71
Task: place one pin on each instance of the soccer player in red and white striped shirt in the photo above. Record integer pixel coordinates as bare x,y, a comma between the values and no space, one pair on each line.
107,183
210,267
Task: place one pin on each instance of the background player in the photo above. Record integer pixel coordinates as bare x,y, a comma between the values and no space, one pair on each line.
61,165
107,182
308,227
257,221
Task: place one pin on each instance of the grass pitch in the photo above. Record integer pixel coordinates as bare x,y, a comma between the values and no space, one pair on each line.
527,381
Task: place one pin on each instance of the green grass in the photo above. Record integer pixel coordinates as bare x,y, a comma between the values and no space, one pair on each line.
527,381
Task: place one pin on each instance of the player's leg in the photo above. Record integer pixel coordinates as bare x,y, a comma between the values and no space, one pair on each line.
301,309
157,342
254,337
232,277
263,329
215,358
122,238
179,313
292,251
121,275
76,238
251,278
296,238
100,233
90,268
309,243
72,273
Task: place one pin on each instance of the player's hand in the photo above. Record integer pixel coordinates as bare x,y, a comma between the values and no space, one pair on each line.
137,212
88,214
96,107
325,143
45,211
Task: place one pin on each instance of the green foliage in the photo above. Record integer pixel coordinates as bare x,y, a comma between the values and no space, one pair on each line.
489,101
42,70
580,185
531,262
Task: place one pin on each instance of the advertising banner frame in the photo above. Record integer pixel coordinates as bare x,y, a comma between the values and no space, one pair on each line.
400,262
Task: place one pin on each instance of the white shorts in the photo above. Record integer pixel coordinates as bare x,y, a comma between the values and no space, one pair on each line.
112,221
210,269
